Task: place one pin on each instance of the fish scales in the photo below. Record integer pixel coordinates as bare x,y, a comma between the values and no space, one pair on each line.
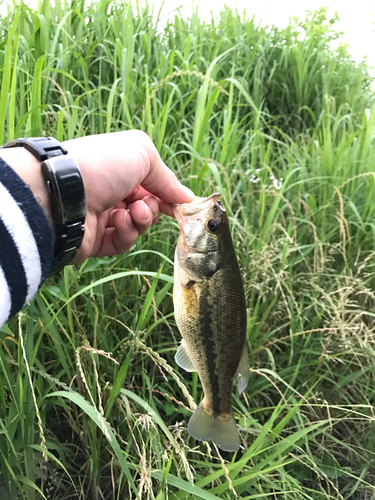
206,331
210,312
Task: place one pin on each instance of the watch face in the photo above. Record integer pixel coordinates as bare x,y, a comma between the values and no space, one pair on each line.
65,182
68,205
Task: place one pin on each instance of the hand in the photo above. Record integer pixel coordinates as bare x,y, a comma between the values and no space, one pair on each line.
127,186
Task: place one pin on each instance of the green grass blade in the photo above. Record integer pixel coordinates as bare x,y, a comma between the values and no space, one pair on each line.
6,76
35,118
103,426
184,486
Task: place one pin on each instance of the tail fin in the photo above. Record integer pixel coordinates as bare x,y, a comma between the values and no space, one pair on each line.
221,429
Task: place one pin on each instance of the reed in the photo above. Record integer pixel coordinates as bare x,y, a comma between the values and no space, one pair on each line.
275,120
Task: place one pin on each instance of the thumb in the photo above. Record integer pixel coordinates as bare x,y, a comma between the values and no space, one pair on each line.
162,182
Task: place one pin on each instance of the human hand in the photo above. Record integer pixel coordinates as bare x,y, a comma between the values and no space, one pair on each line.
127,186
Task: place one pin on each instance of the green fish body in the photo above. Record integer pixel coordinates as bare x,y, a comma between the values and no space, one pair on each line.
210,312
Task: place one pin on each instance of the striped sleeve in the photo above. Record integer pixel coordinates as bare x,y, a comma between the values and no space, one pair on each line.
26,244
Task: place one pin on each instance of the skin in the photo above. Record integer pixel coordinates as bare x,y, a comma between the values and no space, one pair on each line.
127,187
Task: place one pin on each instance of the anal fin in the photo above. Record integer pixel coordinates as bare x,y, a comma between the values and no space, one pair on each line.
242,373
182,358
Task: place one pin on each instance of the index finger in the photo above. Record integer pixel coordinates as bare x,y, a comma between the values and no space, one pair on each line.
139,194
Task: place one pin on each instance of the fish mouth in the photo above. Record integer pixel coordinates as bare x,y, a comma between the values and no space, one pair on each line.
194,251
185,250
198,205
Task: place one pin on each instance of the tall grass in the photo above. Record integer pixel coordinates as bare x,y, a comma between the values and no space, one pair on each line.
92,404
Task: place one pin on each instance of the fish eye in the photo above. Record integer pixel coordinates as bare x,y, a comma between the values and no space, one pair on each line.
212,225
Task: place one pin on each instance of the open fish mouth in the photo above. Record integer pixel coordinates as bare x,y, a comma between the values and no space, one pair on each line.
196,207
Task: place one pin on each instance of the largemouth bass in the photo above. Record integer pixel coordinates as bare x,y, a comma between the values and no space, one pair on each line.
210,312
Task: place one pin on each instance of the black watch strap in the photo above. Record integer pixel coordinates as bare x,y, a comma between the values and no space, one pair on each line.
67,195
43,148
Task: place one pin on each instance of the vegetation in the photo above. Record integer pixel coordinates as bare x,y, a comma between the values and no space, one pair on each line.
275,121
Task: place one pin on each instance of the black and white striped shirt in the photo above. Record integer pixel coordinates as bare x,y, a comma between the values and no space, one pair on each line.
26,244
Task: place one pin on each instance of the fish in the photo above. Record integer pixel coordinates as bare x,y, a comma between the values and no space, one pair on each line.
210,313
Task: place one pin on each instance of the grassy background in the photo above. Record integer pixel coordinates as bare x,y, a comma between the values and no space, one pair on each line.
275,121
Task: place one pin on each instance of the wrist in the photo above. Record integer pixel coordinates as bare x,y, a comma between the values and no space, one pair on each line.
29,169
55,180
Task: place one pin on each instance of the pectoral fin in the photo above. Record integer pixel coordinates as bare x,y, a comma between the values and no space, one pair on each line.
182,358
242,374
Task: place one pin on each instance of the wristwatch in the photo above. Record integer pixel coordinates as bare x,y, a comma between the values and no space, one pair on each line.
67,194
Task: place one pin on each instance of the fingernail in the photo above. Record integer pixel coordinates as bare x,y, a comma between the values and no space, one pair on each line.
153,205
128,219
146,215
151,202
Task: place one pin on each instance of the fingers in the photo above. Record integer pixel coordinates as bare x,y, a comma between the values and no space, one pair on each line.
124,226
114,165
139,194
144,213
161,181
127,185
166,208
120,236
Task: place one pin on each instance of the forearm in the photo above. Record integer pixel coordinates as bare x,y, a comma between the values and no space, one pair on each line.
126,185
26,236
28,168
